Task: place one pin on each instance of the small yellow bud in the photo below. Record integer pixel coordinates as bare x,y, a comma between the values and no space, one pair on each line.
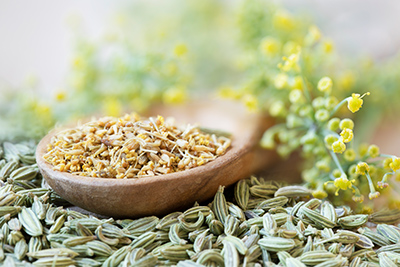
373,195
362,168
323,165
290,48
322,115
251,102
313,35
290,63
333,124
306,111
277,109
336,173
60,96
352,171
309,138
310,175
330,139
395,165
363,149
296,96
346,124
387,162
318,102
174,95
328,46
180,50
325,85
338,147
347,80
281,80
282,20
349,155
358,198
270,46
228,93
347,135
373,151
283,151
320,194
331,102
268,140
296,82
355,102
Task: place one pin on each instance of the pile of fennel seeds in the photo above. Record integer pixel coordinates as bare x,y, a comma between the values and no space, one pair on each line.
266,223
132,147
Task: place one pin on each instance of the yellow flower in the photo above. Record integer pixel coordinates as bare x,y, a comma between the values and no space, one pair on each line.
297,82
78,62
373,151
347,80
355,102
328,46
112,107
325,85
362,168
180,50
338,147
228,92
174,95
281,80
363,149
282,20
290,63
270,46
342,183
347,135
313,35
60,96
290,48
395,164
251,102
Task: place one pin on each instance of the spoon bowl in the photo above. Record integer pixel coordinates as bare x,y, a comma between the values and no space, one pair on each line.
162,194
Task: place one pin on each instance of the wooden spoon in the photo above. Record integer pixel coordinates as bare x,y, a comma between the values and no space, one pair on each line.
162,194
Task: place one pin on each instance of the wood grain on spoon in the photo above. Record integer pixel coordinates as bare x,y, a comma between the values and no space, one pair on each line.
159,195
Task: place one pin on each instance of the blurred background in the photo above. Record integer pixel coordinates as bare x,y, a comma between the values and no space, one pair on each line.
37,41
62,60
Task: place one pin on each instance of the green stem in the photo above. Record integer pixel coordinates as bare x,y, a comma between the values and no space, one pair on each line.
370,183
338,106
336,160
386,156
